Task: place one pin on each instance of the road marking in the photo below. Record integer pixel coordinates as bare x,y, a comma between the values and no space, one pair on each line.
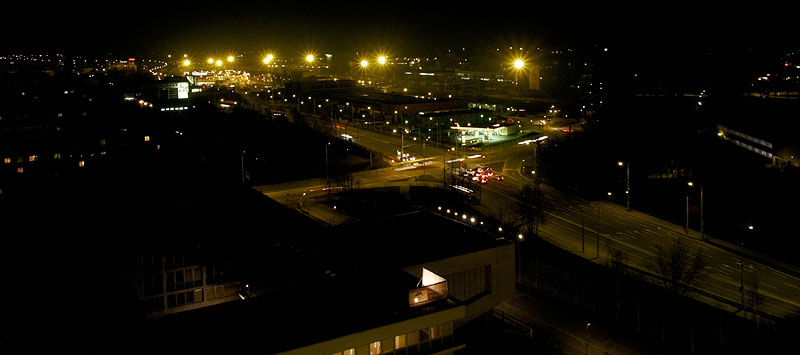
790,285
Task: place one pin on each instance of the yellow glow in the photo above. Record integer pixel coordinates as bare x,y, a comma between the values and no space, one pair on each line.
210,60
186,62
382,60
519,64
364,63
230,58
219,63
310,58
268,58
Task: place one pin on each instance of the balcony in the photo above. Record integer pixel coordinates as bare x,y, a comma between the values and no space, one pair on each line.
427,294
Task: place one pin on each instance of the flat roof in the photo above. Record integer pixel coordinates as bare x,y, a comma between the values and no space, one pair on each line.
364,288
370,96
411,238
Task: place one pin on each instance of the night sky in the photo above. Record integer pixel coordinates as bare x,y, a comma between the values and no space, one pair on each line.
130,28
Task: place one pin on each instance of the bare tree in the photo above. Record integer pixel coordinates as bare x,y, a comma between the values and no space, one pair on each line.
618,261
679,268
530,208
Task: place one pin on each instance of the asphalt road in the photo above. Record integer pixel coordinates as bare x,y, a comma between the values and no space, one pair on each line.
768,285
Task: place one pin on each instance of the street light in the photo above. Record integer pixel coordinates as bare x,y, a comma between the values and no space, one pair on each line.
587,337
268,58
627,183
741,262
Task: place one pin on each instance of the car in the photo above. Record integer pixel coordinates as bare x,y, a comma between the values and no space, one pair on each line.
499,177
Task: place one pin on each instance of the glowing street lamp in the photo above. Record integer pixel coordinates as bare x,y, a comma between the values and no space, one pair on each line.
186,63
364,63
268,58
627,183
219,63
519,64
310,58
210,60
382,60
230,59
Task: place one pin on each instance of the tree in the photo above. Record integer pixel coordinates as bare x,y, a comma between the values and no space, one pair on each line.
530,208
618,262
678,268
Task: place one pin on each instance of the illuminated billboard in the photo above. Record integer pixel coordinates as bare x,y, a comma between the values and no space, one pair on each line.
183,90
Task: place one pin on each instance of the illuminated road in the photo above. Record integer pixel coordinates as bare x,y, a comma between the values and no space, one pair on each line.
636,234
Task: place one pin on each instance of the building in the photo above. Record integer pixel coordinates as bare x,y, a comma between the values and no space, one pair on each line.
382,286
171,94
174,280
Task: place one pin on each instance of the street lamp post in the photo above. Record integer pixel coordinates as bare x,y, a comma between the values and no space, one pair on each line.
702,222
691,185
520,238
741,266
583,237
627,183
587,337
598,230
326,163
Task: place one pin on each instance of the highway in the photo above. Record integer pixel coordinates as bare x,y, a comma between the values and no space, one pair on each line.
771,287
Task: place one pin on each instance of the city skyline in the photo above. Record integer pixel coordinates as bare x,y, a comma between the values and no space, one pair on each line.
623,167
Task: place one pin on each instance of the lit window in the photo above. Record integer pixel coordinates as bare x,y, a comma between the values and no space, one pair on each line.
81,163
57,156
102,142
7,160
400,341
375,348
146,138
32,158
350,351
19,170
